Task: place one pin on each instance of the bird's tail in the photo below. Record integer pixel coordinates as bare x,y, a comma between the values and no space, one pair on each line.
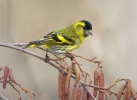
32,44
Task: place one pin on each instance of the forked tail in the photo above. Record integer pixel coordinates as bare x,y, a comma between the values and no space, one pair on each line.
32,44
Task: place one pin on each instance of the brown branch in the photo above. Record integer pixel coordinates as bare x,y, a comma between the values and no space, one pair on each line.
97,87
83,84
2,97
14,46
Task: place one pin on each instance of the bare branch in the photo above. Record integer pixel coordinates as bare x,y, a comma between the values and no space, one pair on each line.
2,97
17,46
83,84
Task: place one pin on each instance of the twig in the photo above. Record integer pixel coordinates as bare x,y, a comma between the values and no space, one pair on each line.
2,97
59,68
83,84
116,82
20,96
97,87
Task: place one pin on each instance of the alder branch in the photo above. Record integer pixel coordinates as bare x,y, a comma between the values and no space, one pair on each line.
2,97
18,46
32,54
41,58
102,88
83,84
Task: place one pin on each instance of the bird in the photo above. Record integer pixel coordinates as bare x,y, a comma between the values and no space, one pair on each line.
64,40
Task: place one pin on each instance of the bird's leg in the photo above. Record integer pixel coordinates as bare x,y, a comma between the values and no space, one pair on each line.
46,57
73,60
70,56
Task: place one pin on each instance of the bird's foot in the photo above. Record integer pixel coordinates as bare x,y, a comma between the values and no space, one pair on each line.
46,58
70,56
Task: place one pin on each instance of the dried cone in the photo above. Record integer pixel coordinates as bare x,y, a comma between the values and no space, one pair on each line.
96,74
134,95
121,90
68,78
101,84
77,76
129,89
85,94
74,94
6,73
11,77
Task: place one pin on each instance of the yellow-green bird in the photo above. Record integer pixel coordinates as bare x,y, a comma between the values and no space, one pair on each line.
64,40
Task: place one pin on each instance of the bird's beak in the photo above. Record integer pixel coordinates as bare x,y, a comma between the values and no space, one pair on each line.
90,32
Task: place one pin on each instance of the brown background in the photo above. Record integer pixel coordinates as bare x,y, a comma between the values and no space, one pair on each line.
114,40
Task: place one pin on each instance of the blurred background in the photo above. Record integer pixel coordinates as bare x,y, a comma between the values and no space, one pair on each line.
114,40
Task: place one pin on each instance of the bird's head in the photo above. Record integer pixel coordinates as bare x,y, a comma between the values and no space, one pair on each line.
87,27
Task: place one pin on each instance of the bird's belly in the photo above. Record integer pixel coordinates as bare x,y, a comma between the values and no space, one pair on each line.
60,49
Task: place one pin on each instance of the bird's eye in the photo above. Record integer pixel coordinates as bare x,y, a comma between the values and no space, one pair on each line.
84,28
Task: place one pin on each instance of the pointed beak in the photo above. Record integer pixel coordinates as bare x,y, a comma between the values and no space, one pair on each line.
90,32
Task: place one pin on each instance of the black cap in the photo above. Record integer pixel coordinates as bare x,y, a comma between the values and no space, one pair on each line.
88,25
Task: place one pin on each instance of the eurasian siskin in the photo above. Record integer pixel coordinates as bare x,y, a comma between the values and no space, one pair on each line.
64,40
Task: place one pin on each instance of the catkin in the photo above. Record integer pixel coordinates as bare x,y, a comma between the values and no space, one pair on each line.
74,94
129,89
121,91
95,83
101,84
134,95
125,94
65,96
101,95
84,94
0,68
6,73
89,97
79,94
61,86
11,77
60,92
68,78
77,76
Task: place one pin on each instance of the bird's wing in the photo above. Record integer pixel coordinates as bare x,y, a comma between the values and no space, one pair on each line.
64,36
